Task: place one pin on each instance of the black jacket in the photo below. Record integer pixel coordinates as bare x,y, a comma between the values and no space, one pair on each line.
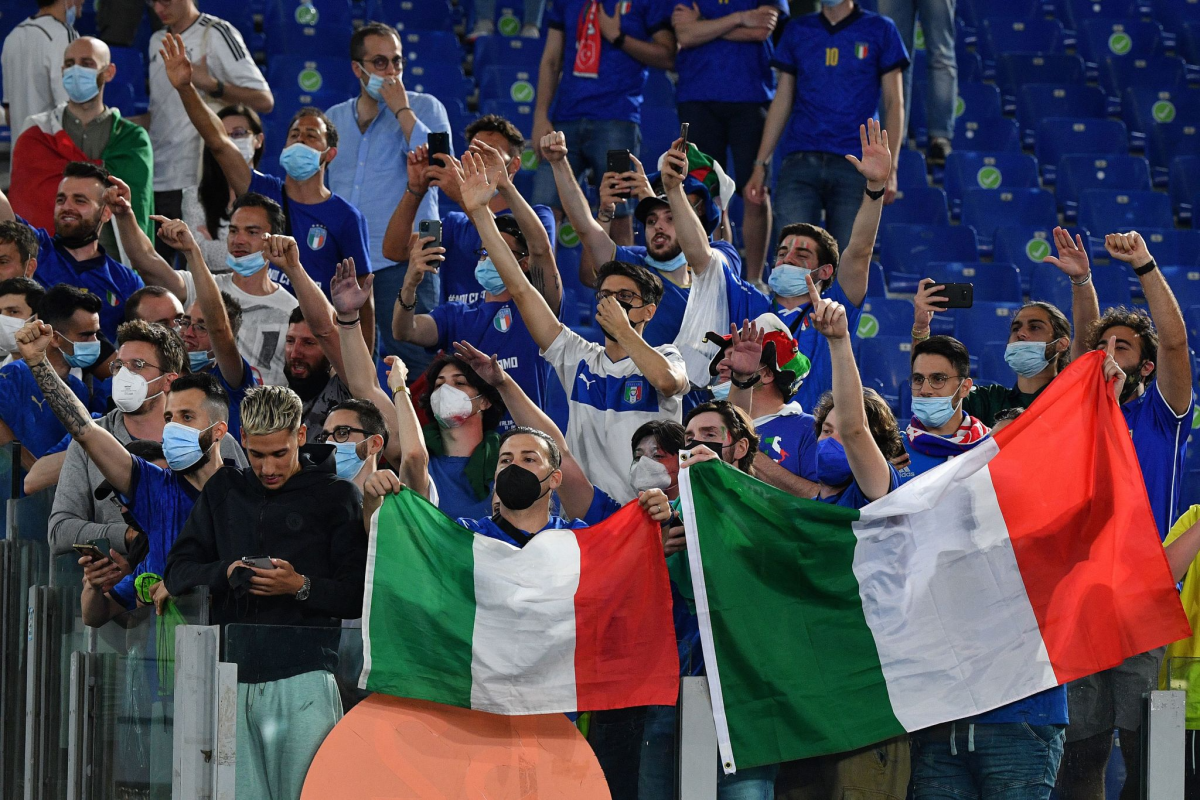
314,521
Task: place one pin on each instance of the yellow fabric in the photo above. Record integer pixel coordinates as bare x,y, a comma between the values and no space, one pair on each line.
1187,676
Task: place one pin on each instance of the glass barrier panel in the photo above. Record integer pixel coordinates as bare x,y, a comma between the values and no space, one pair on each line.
23,564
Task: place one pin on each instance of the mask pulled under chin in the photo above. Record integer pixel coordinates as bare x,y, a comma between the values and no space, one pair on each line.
76,242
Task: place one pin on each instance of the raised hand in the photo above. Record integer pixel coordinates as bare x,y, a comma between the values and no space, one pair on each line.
382,483
636,180
422,260
828,316
393,93
118,197
175,61
1128,247
418,169
876,162
496,169
674,169
1072,255
202,79
175,232
282,251
612,318
33,341
347,294
473,184
927,302
656,504
553,147
745,349
611,191
486,367
1112,371
397,373
442,175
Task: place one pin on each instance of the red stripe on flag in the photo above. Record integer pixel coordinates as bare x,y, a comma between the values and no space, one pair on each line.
1071,491
625,651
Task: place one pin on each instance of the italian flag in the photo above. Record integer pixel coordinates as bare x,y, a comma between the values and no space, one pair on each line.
1027,562
577,620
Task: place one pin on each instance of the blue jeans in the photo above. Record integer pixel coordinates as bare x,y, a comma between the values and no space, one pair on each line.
937,23
387,286
588,143
811,182
1007,761
616,739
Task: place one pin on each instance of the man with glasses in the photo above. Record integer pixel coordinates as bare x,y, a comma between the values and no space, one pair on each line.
939,429
156,305
225,71
494,322
380,128
149,358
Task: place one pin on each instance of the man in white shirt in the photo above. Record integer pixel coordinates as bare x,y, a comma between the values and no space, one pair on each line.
612,390
223,69
32,61
266,306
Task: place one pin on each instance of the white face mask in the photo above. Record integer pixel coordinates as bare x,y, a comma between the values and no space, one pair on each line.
451,405
129,390
245,146
8,333
646,473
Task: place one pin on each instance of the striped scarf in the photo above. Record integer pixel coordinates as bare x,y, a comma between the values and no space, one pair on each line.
970,433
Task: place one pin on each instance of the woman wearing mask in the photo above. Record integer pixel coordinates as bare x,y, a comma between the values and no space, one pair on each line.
207,207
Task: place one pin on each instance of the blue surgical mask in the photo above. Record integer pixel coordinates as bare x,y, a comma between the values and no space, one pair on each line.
347,460
181,445
721,391
934,412
488,277
84,356
1026,358
373,87
833,468
300,161
675,263
788,281
198,359
246,265
80,83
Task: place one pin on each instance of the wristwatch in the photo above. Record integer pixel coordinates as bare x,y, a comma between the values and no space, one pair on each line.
619,42
219,91
876,194
305,589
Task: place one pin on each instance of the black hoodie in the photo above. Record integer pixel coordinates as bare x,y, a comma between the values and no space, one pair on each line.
313,521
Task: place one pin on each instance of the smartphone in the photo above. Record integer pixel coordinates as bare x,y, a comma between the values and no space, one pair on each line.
958,295
258,562
439,143
431,227
619,162
683,134
91,550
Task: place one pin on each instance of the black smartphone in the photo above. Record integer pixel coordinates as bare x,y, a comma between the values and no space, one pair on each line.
683,134
258,562
431,227
91,550
439,143
619,162
958,295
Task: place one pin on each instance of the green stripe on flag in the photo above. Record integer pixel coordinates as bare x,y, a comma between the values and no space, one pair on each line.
796,669
422,572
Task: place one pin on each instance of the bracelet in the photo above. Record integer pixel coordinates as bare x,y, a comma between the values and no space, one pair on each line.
919,335
604,216
876,194
349,324
406,306
1086,280
1146,268
414,194
402,390
619,42
746,384
764,163
400,111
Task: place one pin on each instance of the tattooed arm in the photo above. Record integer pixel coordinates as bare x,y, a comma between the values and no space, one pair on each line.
108,454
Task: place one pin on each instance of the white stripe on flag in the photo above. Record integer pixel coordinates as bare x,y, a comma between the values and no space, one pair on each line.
944,597
367,594
523,644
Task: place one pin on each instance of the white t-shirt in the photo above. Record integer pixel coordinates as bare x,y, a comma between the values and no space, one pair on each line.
32,61
608,402
177,145
264,325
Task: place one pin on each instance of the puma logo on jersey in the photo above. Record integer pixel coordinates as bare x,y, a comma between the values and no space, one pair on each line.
587,381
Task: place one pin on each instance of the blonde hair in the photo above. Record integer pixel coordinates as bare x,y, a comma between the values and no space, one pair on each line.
267,409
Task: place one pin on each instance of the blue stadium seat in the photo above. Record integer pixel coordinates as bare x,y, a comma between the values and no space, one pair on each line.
1016,69
987,210
1191,318
1184,283
889,318
1188,44
520,114
120,96
922,205
991,135
1060,136
309,28
1036,100
884,364
985,324
975,12
237,13
1117,39
444,83
906,250
986,171
912,170
431,47
1173,246
992,366
994,283
1168,142
459,118
1174,15
131,72
1185,185
977,102
1104,211
507,51
1052,286
1074,12
1145,109
876,282
409,15
323,76
1020,36
1026,246
508,83
1155,72
1079,172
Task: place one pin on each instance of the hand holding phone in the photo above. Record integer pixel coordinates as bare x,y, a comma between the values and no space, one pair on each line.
258,562
91,551
431,227
958,295
439,144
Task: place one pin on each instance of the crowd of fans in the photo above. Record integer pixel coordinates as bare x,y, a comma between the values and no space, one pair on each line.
223,373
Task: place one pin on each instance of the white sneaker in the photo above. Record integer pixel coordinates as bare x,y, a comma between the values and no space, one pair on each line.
531,32
483,27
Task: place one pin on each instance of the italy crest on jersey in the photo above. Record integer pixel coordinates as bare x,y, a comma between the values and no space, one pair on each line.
634,391
317,235
503,320
860,50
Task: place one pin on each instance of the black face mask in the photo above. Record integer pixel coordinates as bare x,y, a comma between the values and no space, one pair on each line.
76,242
518,488
139,548
716,447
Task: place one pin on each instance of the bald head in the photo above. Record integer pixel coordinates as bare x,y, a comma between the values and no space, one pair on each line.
88,51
